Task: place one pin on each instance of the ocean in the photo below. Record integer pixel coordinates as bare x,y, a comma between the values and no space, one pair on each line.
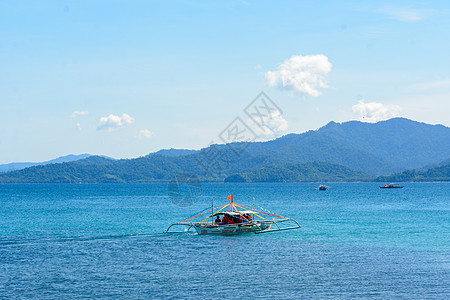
70,241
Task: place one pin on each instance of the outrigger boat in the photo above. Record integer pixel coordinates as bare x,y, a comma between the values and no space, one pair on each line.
233,218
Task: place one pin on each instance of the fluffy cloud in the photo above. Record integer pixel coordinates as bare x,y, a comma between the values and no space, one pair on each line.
145,134
77,113
373,111
271,125
113,122
302,73
274,124
78,126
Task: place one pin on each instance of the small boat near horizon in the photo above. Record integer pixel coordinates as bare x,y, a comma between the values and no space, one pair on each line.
232,219
391,186
322,187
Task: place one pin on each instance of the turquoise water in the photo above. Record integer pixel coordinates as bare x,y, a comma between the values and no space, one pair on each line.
106,241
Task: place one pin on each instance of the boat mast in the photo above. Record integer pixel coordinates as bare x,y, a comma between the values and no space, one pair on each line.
212,211
253,208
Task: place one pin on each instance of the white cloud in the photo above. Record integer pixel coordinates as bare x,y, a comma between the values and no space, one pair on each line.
77,113
145,134
404,14
271,125
373,111
301,73
113,122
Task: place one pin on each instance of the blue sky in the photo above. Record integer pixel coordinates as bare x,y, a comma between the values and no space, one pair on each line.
125,78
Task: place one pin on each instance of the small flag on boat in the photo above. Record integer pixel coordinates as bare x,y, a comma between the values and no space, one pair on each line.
230,197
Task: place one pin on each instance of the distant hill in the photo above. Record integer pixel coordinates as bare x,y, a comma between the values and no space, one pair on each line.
374,148
439,164
307,172
22,165
172,152
336,152
440,173
97,169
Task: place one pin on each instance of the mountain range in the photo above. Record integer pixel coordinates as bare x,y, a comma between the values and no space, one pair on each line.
374,148
349,151
22,165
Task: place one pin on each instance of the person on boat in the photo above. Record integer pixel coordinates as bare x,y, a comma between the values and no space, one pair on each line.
231,220
225,219
218,220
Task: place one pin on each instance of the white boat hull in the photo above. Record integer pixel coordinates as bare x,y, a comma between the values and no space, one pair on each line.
230,229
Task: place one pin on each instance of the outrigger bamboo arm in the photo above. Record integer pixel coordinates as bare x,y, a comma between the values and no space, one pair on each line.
267,231
279,228
190,225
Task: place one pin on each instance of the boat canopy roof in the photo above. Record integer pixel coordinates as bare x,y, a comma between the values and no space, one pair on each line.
235,213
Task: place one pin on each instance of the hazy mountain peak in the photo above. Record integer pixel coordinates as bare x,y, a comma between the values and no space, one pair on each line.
22,165
172,152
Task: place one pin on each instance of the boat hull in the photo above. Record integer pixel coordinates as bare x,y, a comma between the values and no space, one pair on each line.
391,187
230,229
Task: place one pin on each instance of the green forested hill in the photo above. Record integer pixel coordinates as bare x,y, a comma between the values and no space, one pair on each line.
97,170
441,173
375,148
307,172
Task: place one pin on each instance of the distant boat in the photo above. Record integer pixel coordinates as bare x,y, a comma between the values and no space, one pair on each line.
322,187
391,186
